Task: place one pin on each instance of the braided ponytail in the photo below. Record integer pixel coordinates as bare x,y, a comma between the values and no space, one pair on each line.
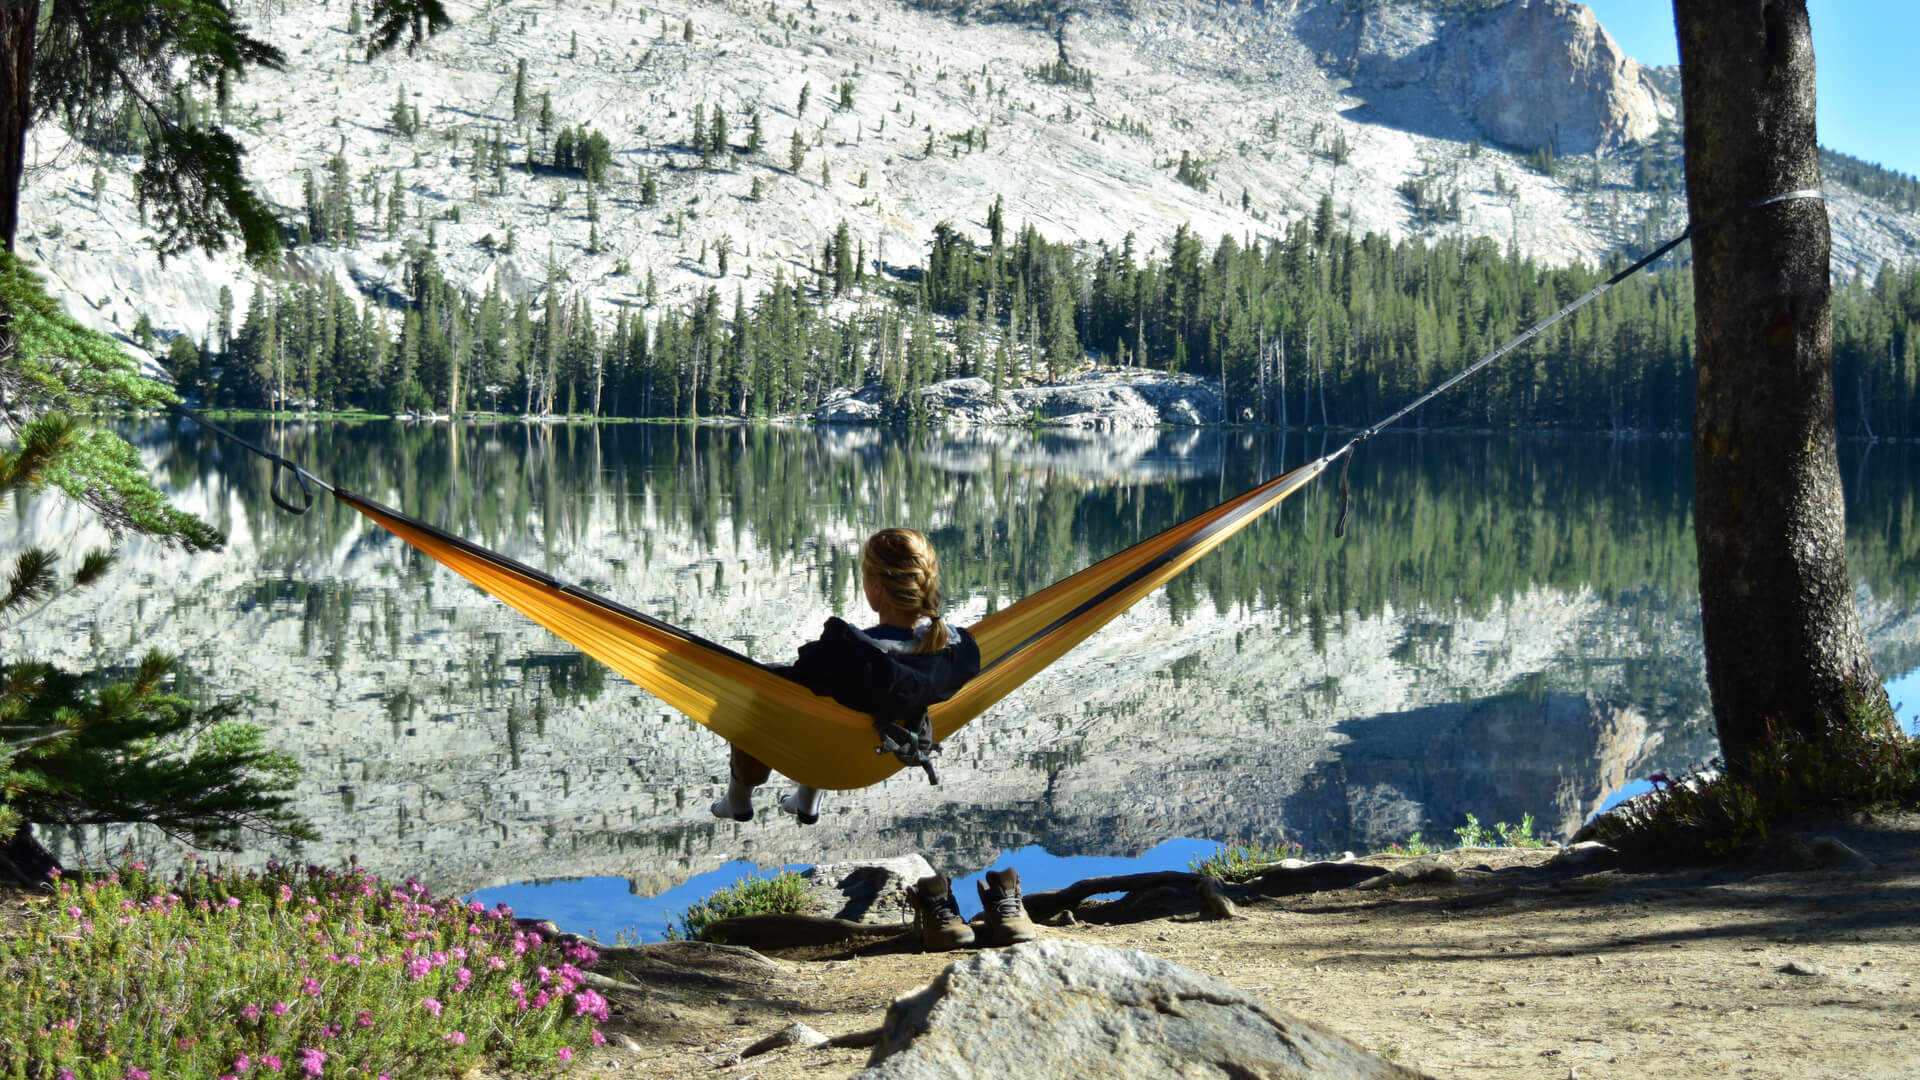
908,571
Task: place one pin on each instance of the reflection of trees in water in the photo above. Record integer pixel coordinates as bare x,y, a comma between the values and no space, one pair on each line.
1438,523
1449,526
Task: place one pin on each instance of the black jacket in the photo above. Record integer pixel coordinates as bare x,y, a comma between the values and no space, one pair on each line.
884,679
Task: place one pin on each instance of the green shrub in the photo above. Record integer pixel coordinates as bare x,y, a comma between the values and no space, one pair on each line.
130,974
1474,834
1858,762
1244,862
782,894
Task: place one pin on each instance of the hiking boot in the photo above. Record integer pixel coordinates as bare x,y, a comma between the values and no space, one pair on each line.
1007,922
737,804
941,927
804,804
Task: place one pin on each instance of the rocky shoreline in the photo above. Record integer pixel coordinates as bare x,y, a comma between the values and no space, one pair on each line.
1090,401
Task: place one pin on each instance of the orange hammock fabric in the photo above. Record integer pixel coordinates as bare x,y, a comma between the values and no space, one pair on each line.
809,738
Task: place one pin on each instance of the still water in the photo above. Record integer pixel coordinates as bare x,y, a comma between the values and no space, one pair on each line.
1509,627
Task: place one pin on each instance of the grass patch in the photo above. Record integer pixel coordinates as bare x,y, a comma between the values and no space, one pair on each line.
1862,761
784,893
210,973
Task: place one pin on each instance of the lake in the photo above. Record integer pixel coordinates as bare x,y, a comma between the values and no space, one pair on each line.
1509,627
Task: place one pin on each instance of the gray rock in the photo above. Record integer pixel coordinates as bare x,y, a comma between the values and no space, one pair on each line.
794,1034
1097,1012
869,893
1801,967
1830,853
1585,855
1429,870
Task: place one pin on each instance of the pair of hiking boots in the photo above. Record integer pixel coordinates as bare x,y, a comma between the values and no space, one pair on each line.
1003,916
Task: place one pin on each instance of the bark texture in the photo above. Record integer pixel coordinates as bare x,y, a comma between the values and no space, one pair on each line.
17,21
1783,638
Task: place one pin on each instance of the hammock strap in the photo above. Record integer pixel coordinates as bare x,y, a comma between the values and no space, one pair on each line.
280,464
1531,332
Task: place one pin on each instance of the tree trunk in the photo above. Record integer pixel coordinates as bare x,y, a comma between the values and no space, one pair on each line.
1783,640
18,18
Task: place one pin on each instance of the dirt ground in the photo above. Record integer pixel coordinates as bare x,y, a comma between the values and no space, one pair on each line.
1798,965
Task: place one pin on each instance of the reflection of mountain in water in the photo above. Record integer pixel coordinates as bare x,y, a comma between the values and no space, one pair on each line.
1556,756
1439,661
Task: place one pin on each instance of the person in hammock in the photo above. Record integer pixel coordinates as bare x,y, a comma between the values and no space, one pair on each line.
892,671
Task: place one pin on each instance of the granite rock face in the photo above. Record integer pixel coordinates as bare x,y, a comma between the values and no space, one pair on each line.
1091,1011
1526,74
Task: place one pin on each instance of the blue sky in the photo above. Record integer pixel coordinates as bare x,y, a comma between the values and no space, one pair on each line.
1868,80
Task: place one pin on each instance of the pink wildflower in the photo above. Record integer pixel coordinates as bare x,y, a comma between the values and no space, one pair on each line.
363,1019
310,986
280,1008
270,1062
431,1005
313,1061
566,1054
251,1012
242,1063
457,1038
74,911
233,901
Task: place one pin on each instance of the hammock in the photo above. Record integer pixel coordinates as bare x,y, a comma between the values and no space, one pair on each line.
809,738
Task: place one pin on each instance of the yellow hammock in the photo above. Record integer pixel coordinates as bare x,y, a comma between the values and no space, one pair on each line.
809,738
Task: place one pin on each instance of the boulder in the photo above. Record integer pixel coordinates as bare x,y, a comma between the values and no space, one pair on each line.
1092,1011
868,893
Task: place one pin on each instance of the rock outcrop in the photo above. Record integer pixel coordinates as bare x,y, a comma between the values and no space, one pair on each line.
1092,1011
1533,73
1096,401
872,893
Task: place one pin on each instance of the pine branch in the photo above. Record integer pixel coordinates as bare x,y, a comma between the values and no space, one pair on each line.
389,19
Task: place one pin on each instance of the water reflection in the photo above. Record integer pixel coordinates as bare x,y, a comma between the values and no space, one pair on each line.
1508,627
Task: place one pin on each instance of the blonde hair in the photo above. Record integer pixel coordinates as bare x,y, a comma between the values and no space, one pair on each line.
908,571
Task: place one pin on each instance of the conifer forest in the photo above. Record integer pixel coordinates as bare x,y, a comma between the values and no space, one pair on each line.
1319,327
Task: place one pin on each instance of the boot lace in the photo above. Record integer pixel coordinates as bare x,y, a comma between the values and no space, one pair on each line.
942,908
1006,906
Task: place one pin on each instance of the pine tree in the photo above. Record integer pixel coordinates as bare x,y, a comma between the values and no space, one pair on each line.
718,138
353,18
806,93
401,119
338,202
396,207
796,152
756,137
520,91
86,748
